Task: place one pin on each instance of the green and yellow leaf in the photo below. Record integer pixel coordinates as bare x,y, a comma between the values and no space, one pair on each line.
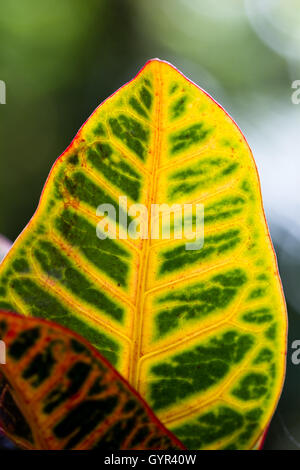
200,334
58,392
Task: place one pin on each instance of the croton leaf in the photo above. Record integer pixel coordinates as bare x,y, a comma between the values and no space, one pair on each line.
200,333
58,392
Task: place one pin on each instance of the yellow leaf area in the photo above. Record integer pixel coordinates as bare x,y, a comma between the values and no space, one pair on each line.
201,334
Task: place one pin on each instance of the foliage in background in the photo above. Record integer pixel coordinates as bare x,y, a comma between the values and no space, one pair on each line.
5,245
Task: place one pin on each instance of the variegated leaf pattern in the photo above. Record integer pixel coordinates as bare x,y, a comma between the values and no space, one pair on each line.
201,334
58,392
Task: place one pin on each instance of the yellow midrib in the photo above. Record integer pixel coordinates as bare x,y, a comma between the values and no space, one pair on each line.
138,320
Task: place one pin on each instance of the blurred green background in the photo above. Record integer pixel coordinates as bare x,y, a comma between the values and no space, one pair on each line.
60,59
